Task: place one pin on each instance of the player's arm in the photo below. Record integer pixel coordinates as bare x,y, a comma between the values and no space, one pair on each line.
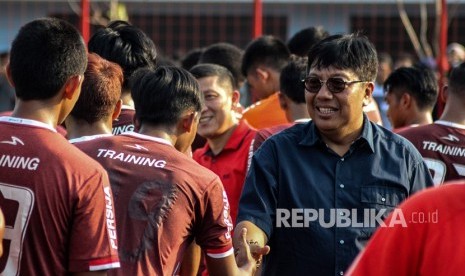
90,273
227,265
191,260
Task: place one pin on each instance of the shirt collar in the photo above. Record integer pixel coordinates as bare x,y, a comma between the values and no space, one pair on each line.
29,122
236,139
312,135
147,137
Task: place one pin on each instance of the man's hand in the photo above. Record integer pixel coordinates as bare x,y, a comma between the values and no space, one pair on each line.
249,252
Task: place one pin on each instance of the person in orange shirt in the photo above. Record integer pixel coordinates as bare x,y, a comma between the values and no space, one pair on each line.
263,60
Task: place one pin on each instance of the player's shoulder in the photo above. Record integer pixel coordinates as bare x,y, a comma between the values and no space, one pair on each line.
427,129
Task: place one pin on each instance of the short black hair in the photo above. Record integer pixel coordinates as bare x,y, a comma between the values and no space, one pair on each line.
349,51
266,50
227,55
301,42
162,95
191,58
44,55
290,80
419,82
126,45
457,80
204,70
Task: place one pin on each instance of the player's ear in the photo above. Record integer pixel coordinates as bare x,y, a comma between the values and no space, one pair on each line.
117,109
282,101
137,124
406,100
262,73
8,75
188,121
72,86
444,94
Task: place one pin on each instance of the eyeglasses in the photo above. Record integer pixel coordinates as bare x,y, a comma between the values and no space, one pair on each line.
335,85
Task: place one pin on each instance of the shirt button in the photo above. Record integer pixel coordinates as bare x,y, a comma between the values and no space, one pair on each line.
341,213
341,185
383,199
341,241
341,272
342,159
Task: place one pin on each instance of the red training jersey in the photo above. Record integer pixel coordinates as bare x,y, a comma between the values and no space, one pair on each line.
57,203
163,200
442,146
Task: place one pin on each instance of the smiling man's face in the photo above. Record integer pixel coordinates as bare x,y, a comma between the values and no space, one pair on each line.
218,115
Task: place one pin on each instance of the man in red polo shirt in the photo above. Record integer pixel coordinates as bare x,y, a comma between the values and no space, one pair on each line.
228,139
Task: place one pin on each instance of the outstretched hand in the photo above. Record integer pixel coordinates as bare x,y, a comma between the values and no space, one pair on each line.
249,253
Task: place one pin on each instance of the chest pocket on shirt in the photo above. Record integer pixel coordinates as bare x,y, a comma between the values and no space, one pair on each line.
382,196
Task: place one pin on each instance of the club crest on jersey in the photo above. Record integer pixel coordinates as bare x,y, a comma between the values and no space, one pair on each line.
136,146
451,138
14,141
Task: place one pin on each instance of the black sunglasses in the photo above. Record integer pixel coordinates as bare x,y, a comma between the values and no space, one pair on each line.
335,85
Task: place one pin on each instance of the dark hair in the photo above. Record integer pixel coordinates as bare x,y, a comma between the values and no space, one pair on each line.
126,45
226,55
301,42
162,95
225,77
420,83
457,80
350,51
191,58
100,91
290,80
44,55
266,50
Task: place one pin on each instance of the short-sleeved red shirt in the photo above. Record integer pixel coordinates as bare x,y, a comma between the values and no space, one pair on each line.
57,203
231,163
125,120
163,201
442,145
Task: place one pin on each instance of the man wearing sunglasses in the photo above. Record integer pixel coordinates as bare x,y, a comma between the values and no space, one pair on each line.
317,191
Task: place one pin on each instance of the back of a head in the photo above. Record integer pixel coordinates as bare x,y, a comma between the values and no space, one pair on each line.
301,42
457,81
350,51
266,50
419,82
100,91
44,55
162,95
125,45
191,58
226,55
225,77
291,77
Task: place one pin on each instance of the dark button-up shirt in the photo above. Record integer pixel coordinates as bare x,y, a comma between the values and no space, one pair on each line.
317,208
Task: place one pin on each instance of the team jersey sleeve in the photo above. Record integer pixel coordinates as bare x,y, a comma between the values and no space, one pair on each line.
214,235
93,243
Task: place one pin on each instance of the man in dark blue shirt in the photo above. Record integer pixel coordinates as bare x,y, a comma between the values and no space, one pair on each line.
316,192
